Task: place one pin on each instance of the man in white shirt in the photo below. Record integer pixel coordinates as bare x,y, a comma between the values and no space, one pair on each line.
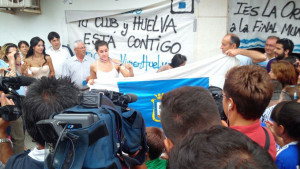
230,44
78,67
58,53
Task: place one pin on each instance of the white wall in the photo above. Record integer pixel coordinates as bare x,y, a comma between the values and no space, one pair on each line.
212,26
211,21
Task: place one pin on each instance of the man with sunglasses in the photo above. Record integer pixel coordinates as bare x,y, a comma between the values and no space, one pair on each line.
283,48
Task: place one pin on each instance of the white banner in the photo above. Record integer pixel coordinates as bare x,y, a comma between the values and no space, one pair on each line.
253,21
150,88
147,38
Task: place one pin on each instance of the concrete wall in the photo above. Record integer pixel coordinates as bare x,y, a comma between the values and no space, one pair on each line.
211,21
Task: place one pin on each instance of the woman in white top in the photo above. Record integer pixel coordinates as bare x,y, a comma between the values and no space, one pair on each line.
37,63
106,67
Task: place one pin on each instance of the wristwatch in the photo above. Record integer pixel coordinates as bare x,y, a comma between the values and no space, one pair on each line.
5,140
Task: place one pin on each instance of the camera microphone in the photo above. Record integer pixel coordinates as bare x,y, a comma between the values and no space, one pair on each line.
18,81
10,84
94,98
130,98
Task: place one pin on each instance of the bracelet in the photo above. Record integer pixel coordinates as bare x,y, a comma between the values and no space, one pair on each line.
6,140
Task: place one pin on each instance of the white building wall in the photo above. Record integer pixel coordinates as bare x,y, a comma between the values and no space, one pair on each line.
211,21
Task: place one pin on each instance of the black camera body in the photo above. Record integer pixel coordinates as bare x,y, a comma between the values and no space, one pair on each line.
59,124
52,128
9,85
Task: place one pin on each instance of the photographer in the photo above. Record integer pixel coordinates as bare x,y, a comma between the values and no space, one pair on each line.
44,97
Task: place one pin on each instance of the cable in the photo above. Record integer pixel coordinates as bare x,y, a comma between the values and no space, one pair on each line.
59,138
73,149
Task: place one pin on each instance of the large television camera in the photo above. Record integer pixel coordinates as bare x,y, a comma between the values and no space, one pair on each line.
106,123
9,85
51,129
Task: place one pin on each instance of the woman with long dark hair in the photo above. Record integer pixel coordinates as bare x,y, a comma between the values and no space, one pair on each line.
37,63
177,60
286,125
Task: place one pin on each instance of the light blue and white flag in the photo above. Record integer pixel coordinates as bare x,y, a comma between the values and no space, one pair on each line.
151,87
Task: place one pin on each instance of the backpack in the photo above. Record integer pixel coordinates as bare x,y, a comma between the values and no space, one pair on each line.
102,137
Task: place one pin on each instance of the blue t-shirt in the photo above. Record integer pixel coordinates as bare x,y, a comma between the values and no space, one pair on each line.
264,63
288,157
244,60
3,64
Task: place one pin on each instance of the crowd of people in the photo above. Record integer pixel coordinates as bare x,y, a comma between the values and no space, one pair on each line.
261,101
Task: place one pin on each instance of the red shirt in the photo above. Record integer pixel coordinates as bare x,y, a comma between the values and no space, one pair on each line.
257,134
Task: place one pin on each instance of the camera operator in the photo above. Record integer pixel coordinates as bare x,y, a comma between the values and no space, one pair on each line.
44,97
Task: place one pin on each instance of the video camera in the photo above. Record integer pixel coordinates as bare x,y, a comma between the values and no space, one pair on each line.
100,126
90,99
9,85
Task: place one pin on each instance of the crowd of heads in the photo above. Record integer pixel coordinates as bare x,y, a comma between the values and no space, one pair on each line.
219,147
188,113
196,139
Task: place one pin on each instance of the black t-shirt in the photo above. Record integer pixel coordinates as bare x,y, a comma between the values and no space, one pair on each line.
23,161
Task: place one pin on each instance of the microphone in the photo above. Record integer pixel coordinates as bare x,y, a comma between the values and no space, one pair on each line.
18,81
118,98
130,98
10,84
